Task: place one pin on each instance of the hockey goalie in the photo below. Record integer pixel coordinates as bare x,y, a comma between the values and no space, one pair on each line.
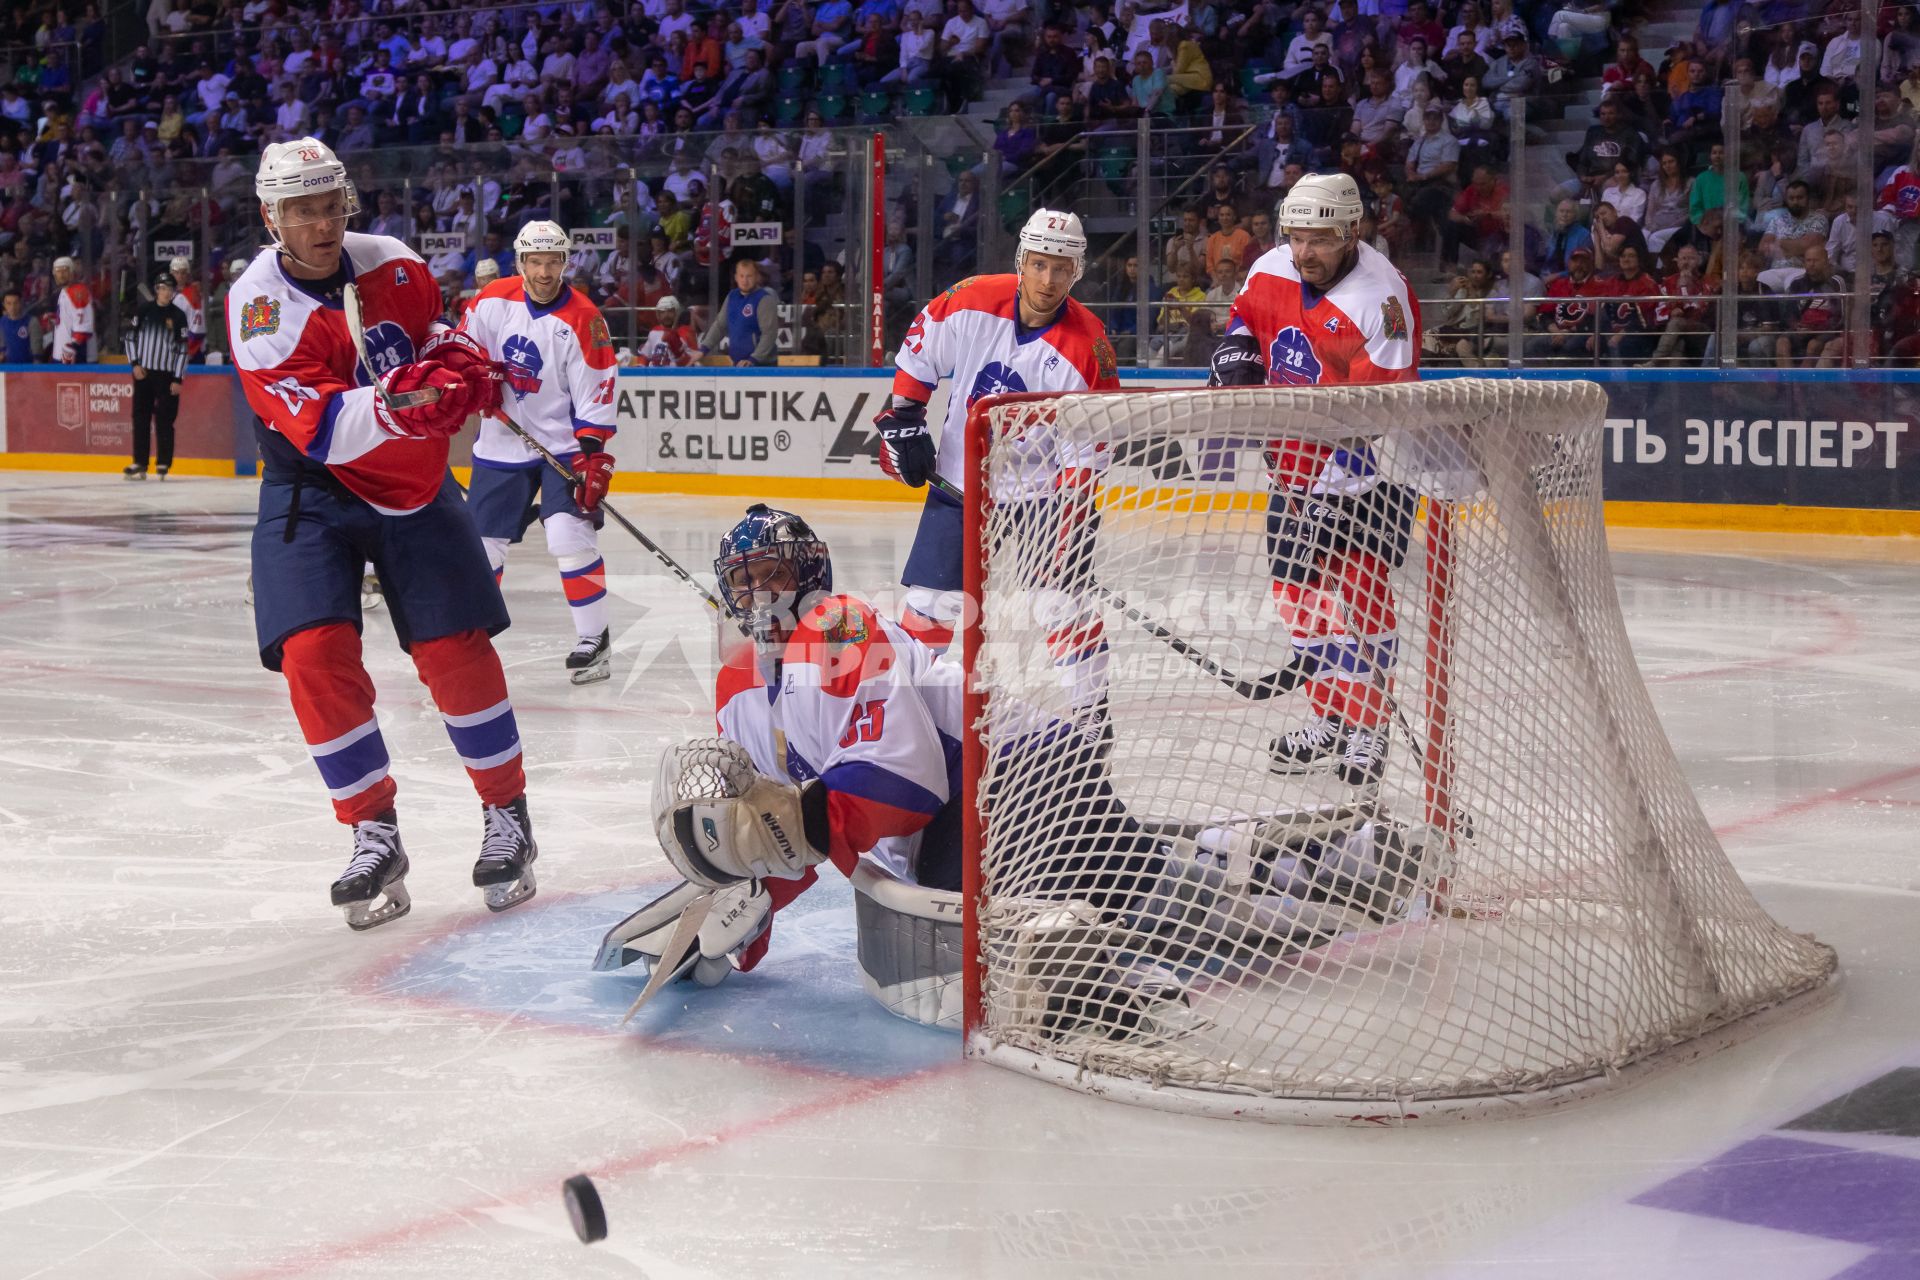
840,743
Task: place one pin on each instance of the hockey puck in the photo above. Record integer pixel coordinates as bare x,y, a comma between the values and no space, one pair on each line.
584,1207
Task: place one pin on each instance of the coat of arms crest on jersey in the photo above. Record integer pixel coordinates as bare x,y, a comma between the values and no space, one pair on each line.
259,318
1394,317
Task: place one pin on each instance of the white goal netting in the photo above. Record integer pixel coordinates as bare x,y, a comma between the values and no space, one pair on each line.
1455,867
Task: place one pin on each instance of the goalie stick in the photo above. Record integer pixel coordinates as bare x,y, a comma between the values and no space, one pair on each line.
410,399
1256,689
684,943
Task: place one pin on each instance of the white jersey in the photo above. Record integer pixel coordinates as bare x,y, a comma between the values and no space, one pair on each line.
972,334
868,710
73,324
560,371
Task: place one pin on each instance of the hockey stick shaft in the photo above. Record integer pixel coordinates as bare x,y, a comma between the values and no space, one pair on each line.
1257,689
659,553
350,304
681,943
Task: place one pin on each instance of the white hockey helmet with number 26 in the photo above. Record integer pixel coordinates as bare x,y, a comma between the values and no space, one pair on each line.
540,237
1322,200
1051,231
303,167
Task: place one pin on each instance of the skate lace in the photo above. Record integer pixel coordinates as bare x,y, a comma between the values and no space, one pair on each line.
503,837
586,644
372,841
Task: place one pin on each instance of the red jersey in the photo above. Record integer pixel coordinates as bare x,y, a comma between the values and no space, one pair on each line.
1575,314
302,377
1698,287
1633,315
1365,329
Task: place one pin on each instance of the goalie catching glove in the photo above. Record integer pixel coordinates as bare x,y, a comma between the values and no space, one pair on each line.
721,822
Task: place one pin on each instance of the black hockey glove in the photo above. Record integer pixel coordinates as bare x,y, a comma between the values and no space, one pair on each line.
907,452
1237,362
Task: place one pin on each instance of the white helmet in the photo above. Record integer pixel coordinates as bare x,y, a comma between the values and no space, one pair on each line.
668,303
1050,231
540,237
179,264
1322,200
303,167
67,263
486,269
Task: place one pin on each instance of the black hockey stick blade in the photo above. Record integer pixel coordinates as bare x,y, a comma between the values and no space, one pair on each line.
1259,688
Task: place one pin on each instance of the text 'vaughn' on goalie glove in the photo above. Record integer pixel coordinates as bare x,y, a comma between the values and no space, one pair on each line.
907,452
721,822
1237,362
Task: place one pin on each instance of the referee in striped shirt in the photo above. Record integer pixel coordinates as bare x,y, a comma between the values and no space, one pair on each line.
157,350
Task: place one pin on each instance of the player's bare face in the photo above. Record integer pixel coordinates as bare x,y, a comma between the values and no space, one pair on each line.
543,274
311,230
1045,281
1319,254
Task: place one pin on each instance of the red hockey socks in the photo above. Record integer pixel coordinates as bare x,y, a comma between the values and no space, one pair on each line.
333,701
463,674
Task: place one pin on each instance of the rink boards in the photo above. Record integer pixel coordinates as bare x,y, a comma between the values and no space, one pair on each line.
1826,451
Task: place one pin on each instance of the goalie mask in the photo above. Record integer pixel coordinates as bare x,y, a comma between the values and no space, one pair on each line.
772,568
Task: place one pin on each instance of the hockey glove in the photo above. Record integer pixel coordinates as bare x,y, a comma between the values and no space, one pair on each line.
592,476
463,355
907,452
1237,362
439,416
721,822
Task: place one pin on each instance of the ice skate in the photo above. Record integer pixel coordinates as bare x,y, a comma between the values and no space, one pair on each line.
161,471
1299,750
504,871
1363,756
373,887
592,659
131,472
371,597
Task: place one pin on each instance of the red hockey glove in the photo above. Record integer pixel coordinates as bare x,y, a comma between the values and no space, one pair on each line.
436,418
593,474
463,355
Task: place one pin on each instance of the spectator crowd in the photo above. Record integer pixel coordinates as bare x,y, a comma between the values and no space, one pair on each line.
672,121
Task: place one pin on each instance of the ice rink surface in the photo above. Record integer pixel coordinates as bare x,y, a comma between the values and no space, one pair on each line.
203,1073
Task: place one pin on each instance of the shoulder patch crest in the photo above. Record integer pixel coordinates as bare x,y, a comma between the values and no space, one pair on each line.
260,318
1393,317
842,623
598,339
1104,360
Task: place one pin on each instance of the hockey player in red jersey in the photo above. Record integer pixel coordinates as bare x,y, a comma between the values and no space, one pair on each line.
558,356
1323,309
990,335
355,470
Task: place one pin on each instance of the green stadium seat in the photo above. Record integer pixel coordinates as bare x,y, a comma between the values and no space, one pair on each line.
876,106
918,101
793,78
832,107
788,110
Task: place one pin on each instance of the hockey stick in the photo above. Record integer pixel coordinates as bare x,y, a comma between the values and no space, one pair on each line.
1257,689
413,399
682,942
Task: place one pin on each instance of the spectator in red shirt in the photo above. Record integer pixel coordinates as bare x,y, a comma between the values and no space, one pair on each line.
1478,218
1568,323
1631,325
1687,324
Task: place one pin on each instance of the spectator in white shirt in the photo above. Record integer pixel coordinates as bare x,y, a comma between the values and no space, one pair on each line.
677,19
1842,58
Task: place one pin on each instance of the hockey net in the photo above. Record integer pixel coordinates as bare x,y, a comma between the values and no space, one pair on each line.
1513,899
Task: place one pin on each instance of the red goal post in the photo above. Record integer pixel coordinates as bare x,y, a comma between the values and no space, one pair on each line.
1524,906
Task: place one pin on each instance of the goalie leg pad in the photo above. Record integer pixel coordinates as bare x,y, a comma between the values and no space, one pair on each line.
739,917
